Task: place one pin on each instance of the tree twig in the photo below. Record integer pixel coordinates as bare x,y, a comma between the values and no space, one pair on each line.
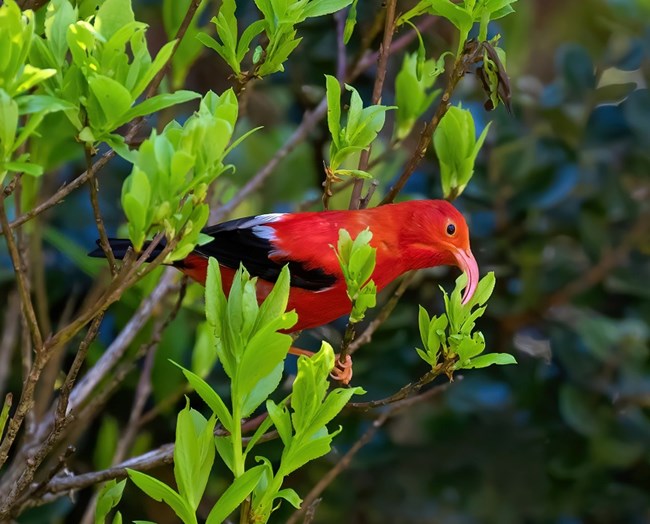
385,312
99,221
382,65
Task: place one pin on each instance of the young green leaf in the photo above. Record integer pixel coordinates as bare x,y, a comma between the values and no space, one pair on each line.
193,454
109,497
235,494
457,147
163,493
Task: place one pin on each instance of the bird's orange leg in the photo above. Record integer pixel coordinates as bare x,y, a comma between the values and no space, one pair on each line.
342,370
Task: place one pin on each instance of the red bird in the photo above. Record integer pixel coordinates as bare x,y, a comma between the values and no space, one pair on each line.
407,236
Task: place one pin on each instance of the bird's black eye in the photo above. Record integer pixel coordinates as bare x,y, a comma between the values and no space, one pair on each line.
451,229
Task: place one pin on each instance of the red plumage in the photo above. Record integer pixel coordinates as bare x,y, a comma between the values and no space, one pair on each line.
407,236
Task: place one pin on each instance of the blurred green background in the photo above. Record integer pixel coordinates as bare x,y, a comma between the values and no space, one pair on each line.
558,208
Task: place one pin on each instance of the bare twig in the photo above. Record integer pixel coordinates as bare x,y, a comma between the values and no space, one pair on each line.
407,391
341,56
71,377
99,221
182,29
29,318
116,350
9,336
385,312
382,65
21,280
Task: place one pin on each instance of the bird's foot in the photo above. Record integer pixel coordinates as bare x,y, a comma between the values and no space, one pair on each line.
342,371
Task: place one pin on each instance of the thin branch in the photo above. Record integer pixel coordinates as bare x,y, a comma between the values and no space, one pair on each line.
382,65
71,377
346,460
366,336
341,55
99,221
9,336
409,390
152,459
309,121
116,350
21,280
182,29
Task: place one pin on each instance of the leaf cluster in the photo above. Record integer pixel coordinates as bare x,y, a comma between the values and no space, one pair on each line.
463,15
248,342
102,68
17,78
413,93
172,171
451,337
357,259
278,24
361,127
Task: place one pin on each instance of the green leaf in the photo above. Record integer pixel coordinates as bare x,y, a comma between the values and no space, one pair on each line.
109,496
60,15
455,13
193,454
29,104
281,420
209,396
350,22
235,495
260,368
333,107
163,493
483,361
423,325
153,69
108,102
323,7
355,173
204,354
483,291
24,167
112,15
290,496
155,104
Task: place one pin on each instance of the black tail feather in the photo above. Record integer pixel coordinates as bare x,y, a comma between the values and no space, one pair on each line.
120,247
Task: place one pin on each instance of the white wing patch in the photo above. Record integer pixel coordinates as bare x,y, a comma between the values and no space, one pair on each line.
261,219
256,225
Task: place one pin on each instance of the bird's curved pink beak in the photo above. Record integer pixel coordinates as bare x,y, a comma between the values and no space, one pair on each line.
467,263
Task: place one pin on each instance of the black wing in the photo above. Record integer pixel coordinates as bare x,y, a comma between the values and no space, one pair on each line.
247,241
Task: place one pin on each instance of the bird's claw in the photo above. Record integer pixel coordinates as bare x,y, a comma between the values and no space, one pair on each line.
342,371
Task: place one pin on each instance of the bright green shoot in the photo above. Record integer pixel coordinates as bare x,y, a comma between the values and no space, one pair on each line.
449,340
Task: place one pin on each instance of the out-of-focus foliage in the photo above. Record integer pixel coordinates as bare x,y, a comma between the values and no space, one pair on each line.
557,209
